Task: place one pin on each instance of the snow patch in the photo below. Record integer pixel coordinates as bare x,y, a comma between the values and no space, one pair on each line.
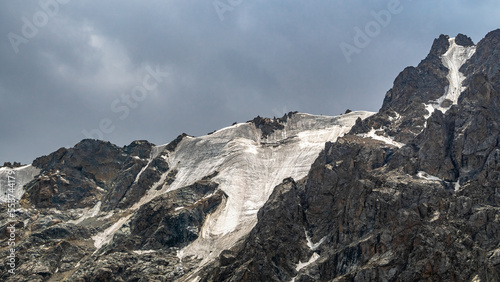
64,180
105,237
301,265
311,245
426,176
311,138
89,213
388,140
104,216
398,117
229,127
196,279
141,252
430,109
435,216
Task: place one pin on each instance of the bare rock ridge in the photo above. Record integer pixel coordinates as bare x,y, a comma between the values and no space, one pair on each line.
406,194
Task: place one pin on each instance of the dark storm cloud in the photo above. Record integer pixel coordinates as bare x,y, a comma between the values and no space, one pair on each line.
263,58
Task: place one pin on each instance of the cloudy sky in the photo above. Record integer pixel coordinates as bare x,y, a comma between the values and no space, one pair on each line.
127,70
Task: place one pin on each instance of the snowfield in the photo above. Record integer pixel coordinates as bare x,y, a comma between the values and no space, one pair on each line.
249,169
248,166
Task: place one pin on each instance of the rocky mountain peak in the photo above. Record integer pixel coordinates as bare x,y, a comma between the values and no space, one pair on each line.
486,60
493,35
464,40
439,46
435,84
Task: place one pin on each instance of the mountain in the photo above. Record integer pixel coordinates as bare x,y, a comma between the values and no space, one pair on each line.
405,194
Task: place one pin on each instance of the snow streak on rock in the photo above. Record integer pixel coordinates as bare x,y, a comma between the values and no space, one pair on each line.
453,59
301,265
388,140
87,213
426,176
105,237
313,246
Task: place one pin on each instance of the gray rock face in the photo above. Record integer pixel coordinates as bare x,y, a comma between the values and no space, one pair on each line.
464,40
407,195
146,248
80,177
486,58
172,219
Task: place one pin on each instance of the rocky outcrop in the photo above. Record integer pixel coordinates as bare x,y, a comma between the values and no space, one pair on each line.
80,177
268,125
95,171
485,59
148,244
11,165
171,220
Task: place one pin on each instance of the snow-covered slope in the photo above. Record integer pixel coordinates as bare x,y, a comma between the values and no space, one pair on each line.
248,167
19,176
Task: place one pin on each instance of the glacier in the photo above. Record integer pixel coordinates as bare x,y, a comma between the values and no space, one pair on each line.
248,170
247,166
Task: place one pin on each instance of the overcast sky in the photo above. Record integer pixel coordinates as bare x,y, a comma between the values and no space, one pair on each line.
128,70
